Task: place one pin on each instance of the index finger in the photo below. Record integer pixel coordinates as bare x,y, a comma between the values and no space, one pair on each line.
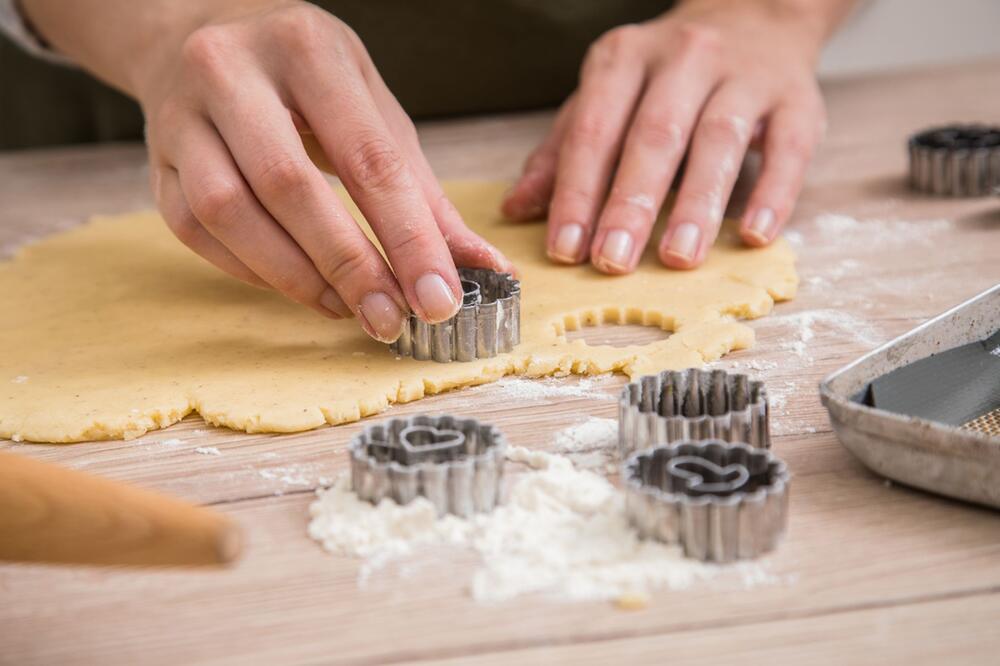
333,98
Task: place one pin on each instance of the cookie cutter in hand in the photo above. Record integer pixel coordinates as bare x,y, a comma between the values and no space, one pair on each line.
720,501
457,464
674,406
487,324
956,160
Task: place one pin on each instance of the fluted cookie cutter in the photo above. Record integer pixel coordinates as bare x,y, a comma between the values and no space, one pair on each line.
720,501
692,404
457,464
956,160
487,324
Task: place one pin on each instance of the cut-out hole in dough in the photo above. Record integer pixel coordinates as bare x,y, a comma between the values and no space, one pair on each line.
618,335
617,327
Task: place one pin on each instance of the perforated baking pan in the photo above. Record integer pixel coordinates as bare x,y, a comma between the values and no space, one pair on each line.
956,460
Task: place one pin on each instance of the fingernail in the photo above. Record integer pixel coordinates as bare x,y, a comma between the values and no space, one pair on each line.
684,242
616,253
382,315
762,224
567,246
436,299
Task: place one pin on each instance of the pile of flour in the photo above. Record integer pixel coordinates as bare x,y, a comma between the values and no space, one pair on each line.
562,531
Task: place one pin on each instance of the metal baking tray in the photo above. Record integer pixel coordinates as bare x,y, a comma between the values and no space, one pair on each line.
933,456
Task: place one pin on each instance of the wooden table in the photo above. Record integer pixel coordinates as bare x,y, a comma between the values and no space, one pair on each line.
872,571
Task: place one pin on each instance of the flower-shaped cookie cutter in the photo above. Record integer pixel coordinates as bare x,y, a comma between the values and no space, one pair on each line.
956,160
457,464
487,324
720,501
675,406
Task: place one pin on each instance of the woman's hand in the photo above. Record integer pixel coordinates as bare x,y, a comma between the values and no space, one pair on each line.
226,88
706,79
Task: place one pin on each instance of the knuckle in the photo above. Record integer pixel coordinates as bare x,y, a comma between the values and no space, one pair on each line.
311,36
699,38
297,25
725,128
214,204
349,265
572,199
282,176
589,129
374,163
206,50
293,286
615,44
795,144
540,160
658,131
633,202
184,227
408,240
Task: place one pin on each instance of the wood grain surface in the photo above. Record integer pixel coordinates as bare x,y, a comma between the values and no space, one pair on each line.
870,572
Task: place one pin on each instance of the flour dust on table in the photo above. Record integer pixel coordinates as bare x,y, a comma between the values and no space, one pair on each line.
562,532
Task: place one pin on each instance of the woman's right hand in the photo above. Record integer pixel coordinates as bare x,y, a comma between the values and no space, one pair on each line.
224,106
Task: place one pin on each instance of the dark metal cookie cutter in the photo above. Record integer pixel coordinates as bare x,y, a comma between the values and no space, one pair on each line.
956,160
692,404
488,323
720,501
457,464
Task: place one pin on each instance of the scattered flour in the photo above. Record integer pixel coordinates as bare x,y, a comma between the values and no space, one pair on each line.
562,531
289,475
208,451
538,390
171,442
794,237
805,323
347,525
20,379
878,232
593,434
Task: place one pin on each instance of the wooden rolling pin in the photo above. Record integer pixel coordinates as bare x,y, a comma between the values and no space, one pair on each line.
53,514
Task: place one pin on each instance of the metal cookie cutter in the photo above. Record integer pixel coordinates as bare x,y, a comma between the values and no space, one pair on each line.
720,501
488,323
692,405
457,464
957,160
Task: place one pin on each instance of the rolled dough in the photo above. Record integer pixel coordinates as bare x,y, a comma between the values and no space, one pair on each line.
114,329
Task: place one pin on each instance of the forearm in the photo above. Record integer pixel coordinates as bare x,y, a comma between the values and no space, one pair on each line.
117,40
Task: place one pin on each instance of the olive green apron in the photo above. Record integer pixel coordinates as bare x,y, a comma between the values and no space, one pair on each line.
439,58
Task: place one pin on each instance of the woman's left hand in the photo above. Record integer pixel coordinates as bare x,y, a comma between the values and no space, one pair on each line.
705,79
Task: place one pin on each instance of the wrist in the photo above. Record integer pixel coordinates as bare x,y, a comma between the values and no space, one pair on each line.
811,22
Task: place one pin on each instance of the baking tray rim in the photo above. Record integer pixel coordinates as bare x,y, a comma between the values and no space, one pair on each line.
877,437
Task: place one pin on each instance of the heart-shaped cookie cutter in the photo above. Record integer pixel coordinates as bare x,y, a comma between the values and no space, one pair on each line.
720,501
488,322
457,464
704,477
676,406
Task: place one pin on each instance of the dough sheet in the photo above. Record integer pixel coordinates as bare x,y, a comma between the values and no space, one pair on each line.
114,329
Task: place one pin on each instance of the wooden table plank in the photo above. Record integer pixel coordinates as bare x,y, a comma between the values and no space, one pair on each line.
962,630
289,601
860,552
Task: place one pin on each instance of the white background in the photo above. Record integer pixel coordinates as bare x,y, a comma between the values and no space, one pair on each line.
889,34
